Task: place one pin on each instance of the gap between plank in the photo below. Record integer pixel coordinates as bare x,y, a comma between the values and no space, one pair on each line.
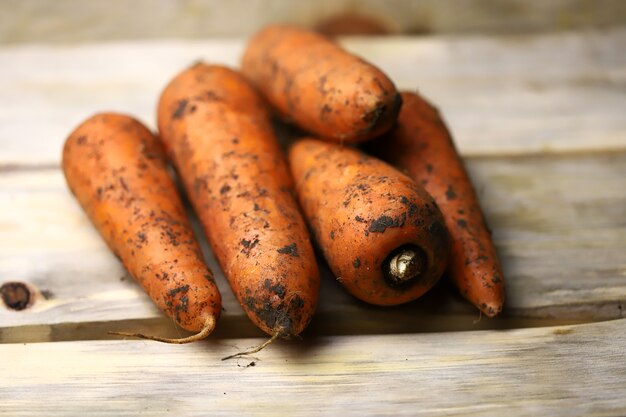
241,327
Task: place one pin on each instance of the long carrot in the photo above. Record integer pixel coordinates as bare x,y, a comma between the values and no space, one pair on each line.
382,235
421,144
116,169
222,144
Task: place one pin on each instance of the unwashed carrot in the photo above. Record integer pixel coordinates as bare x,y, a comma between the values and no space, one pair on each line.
382,235
116,170
312,81
222,144
422,145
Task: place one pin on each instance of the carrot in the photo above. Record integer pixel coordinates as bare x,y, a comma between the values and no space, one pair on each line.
237,180
207,83
324,89
116,170
382,235
421,144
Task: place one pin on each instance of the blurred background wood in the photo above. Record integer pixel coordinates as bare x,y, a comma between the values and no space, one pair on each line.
71,21
500,94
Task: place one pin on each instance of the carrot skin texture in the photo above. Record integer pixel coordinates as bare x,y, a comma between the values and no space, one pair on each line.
324,89
116,169
422,146
361,210
203,83
238,182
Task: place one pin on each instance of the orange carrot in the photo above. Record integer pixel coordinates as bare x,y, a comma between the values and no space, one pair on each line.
382,235
222,144
421,144
313,82
116,169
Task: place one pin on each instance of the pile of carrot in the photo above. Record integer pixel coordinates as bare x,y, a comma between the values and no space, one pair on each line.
390,217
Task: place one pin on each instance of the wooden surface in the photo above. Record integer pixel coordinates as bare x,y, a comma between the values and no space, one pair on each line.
559,371
62,21
562,259
510,95
541,122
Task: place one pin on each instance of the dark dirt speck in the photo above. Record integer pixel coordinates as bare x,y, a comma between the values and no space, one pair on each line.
276,288
450,193
385,222
180,110
248,245
182,289
411,206
289,250
274,317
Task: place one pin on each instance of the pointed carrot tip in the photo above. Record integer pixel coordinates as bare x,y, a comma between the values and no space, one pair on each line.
491,309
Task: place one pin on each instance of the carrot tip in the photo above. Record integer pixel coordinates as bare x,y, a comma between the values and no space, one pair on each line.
255,349
491,309
208,328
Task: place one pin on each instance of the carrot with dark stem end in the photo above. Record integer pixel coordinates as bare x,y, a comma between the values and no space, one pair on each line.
382,235
116,170
423,147
236,177
312,81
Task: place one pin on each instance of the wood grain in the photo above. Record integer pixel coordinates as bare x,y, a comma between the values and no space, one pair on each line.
558,224
514,94
558,220
556,371
102,20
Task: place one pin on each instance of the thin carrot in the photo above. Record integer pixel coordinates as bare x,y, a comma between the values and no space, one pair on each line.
116,170
422,145
236,177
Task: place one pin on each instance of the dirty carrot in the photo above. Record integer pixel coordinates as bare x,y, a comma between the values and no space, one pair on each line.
116,170
382,235
422,145
312,81
238,182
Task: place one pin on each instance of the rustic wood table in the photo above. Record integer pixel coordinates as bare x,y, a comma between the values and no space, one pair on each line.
541,123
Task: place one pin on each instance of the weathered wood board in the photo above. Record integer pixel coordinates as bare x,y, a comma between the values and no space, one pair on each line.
541,122
97,20
556,371
501,95
558,223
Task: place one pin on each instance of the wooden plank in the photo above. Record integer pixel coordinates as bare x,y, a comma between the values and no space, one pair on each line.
494,91
557,371
101,20
558,223
559,226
